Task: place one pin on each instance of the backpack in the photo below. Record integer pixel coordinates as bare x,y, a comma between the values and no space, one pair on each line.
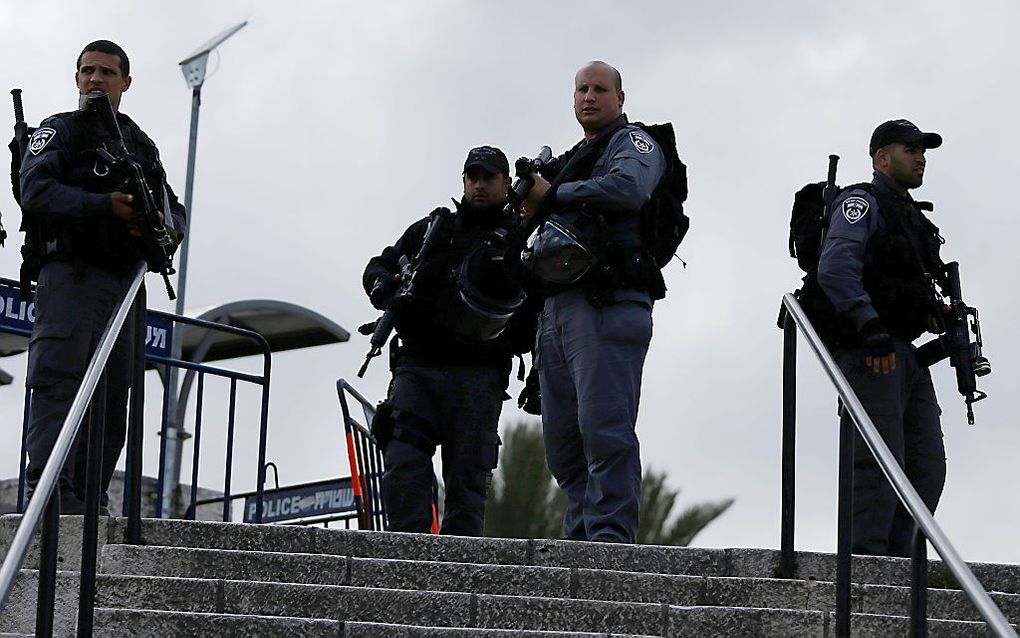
809,220
663,220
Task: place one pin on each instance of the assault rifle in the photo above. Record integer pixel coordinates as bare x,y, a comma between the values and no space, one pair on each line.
17,146
30,257
830,191
525,168
965,356
158,244
409,275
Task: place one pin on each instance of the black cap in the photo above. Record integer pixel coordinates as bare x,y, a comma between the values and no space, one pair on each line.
490,158
901,131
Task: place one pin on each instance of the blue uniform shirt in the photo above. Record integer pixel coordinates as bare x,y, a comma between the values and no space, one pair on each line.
624,175
853,219
56,183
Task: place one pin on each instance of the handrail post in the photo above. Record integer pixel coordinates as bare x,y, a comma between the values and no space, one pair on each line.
133,477
787,564
844,536
47,567
23,458
855,416
90,524
919,584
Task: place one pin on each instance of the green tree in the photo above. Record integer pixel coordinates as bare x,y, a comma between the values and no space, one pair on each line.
525,502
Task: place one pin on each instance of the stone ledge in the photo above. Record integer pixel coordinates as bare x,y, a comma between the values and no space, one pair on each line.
384,630
517,580
160,624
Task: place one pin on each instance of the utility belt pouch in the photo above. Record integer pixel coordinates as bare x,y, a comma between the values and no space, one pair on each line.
382,424
488,450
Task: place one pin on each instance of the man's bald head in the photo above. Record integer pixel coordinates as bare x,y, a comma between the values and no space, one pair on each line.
618,79
598,96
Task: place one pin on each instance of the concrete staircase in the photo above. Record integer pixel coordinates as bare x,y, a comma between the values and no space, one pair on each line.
225,579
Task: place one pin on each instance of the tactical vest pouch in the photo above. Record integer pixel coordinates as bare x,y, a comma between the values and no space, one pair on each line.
382,424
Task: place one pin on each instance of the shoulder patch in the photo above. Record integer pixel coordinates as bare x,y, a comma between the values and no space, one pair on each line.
855,208
40,139
641,142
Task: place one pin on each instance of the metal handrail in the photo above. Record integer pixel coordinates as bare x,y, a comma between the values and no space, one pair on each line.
898,479
65,440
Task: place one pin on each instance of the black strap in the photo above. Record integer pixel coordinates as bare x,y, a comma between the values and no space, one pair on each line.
412,429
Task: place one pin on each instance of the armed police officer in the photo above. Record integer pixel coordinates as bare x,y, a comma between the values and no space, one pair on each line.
456,337
878,263
81,246
596,323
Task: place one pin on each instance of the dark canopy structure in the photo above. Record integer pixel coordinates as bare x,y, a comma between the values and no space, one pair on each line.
286,326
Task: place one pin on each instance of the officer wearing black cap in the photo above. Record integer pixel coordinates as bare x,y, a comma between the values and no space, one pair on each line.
80,237
450,367
876,267
596,325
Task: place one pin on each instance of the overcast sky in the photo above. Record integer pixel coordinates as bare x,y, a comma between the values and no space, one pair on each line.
328,127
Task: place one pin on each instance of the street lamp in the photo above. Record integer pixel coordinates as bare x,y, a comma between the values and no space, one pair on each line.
193,67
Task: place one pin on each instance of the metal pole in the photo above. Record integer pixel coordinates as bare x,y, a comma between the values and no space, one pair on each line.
47,485
899,481
90,523
844,533
23,459
174,431
919,585
787,564
47,567
133,478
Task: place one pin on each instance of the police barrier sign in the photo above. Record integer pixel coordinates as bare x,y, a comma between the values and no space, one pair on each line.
302,501
17,316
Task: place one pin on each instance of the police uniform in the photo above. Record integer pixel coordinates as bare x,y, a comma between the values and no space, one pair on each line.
876,268
447,388
86,256
594,334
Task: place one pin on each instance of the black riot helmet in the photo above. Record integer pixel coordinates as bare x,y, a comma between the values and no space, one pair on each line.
487,296
558,252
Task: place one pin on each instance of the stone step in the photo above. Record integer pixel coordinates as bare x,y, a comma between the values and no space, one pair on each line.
446,609
159,624
19,613
389,630
759,563
550,582
756,563
68,540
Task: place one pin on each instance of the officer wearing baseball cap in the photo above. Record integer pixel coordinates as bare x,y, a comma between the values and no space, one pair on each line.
875,268
902,131
452,356
489,159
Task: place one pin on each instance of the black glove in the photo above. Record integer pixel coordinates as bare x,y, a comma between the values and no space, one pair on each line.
876,340
530,398
382,292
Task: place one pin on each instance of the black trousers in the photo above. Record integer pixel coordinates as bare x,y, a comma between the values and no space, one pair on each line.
456,408
904,409
74,302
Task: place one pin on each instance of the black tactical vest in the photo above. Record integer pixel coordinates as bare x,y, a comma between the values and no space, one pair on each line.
425,335
901,264
617,264
102,240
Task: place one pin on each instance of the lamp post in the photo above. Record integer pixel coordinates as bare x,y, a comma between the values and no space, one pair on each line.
193,67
